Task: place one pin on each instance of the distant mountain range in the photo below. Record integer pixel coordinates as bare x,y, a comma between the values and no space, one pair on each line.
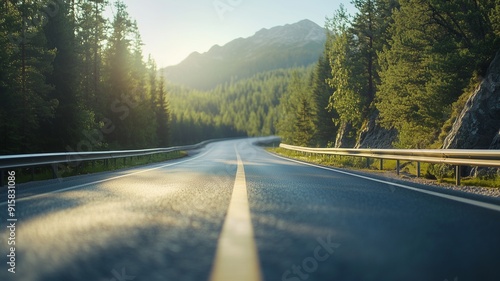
291,45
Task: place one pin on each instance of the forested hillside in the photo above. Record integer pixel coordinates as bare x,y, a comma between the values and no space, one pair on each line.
407,63
247,107
396,73
72,80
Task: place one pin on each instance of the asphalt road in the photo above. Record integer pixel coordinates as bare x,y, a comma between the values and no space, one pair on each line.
286,222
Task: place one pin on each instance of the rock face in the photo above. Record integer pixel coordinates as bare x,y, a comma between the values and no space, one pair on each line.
373,135
478,125
495,144
345,136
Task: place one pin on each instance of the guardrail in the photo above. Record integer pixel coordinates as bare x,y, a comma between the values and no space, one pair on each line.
42,159
456,157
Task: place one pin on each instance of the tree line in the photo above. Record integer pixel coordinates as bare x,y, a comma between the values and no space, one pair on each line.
246,107
282,101
404,66
72,80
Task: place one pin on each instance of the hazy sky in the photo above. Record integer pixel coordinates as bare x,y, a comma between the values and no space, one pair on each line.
172,29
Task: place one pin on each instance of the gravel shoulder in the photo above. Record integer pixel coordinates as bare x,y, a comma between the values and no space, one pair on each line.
487,191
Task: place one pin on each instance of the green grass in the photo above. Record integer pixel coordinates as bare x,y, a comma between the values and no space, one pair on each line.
388,165
24,175
492,183
336,160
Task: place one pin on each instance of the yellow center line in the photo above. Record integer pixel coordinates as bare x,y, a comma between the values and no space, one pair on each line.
236,258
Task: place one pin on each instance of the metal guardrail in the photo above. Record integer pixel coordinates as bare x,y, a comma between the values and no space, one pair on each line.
456,157
43,159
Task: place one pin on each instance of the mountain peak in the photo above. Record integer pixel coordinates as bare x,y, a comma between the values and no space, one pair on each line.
307,22
296,32
290,45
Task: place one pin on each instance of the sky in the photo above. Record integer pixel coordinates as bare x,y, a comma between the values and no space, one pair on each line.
172,29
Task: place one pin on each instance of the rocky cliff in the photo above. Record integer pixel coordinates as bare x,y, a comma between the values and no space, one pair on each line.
372,135
478,124
345,136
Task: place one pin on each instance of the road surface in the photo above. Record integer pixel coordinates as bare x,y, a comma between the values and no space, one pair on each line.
232,211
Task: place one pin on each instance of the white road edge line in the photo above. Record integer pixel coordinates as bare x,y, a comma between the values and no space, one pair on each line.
447,196
104,180
236,257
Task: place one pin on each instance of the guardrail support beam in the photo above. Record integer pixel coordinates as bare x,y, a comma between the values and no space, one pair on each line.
381,164
458,171
55,171
418,169
397,167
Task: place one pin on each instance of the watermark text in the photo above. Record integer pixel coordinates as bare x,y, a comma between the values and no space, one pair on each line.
11,221
311,264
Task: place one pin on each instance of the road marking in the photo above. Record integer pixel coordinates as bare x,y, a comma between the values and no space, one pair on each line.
236,257
104,180
442,195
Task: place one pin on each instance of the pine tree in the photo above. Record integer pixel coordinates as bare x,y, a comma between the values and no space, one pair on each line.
25,61
10,38
296,120
152,79
321,91
119,99
365,27
70,120
143,119
369,28
91,33
162,116
305,117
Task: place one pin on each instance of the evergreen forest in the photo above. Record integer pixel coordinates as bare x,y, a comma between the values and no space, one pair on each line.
72,80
